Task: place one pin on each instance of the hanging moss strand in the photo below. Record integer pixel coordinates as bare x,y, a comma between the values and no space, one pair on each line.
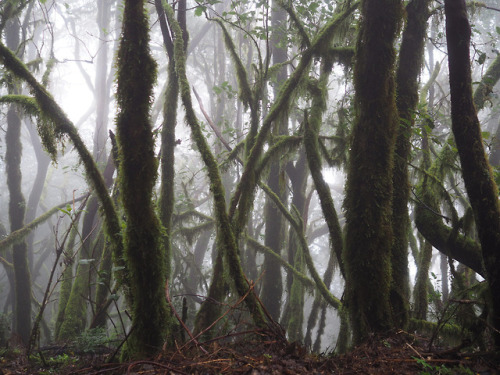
311,129
247,182
64,126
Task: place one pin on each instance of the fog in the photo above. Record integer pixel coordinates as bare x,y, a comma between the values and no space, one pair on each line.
71,47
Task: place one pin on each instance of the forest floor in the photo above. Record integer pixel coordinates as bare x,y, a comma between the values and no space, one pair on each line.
399,353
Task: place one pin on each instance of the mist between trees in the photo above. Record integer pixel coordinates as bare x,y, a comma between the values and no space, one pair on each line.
182,171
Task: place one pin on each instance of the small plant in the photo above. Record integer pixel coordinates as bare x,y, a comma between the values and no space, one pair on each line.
92,340
428,369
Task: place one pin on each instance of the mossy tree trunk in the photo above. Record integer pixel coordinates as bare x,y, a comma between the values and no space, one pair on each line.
294,312
226,238
476,171
75,318
420,291
43,161
168,141
481,95
369,182
17,205
409,66
143,249
311,144
272,284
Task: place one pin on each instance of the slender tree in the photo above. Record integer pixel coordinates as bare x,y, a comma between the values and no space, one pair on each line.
476,171
17,204
410,63
272,285
143,249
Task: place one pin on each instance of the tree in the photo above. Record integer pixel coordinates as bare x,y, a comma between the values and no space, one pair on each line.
17,203
368,201
409,66
272,285
477,173
143,248
282,108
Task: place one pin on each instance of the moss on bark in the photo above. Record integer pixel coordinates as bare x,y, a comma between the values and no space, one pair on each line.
62,126
369,183
143,250
409,66
476,171
226,237
17,206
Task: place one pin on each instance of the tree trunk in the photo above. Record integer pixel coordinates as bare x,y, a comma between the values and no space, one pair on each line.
410,64
476,171
17,206
272,284
137,174
369,178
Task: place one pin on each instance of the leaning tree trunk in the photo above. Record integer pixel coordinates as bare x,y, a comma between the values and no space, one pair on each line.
137,174
369,181
476,171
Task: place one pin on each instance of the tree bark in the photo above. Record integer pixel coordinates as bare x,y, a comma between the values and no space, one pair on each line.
17,206
409,66
137,174
272,284
369,178
476,171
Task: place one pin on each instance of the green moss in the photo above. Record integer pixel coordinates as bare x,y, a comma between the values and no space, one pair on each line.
429,220
297,273
420,291
226,236
20,234
245,92
311,128
488,81
75,312
296,303
367,254
63,126
476,170
27,103
409,67
168,141
296,222
136,74
248,181
283,145
447,331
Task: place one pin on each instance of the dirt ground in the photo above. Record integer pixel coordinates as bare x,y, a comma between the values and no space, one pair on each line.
399,353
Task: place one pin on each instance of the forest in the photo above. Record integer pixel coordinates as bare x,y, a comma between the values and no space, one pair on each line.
184,176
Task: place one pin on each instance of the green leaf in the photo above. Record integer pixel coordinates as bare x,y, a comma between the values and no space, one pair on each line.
482,58
199,10
64,211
